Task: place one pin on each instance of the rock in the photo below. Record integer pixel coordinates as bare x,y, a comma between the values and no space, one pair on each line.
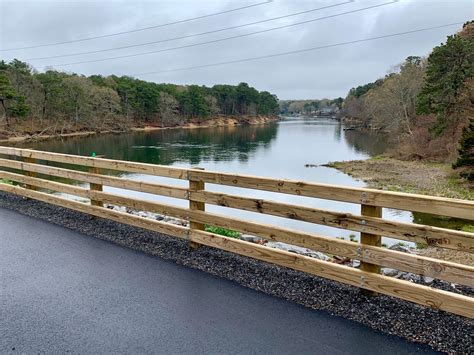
408,276
149,215
355,263
389,272
340,259
251,238
298,250
398,247
428,280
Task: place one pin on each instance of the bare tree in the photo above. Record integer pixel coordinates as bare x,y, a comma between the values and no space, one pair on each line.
211,102
169,114
392,105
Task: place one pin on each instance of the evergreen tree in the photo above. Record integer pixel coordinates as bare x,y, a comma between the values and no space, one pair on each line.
449,66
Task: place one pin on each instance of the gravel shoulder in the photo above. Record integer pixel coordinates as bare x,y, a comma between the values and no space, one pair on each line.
442,331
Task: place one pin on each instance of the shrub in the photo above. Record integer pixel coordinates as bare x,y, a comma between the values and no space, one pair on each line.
223,231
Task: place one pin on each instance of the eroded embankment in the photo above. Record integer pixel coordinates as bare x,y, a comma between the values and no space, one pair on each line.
442,331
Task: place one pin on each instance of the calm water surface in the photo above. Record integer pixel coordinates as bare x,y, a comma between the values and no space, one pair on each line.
279,150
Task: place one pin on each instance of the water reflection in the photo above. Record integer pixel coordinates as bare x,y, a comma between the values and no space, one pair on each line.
440,221
366,142
187,146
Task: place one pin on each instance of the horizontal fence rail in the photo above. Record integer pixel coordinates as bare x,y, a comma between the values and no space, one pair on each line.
34,167
410,202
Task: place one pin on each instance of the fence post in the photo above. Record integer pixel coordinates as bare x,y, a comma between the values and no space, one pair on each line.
30,173
370,239
196,185
96,187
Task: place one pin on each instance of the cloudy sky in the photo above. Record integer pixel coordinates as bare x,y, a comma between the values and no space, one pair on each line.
327,72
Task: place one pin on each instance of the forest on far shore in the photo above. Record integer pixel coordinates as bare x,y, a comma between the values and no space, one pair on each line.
57,102
426,105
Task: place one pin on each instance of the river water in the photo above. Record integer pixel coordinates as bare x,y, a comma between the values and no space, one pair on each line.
281,150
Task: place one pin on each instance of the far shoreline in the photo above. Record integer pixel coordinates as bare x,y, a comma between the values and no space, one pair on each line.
213,122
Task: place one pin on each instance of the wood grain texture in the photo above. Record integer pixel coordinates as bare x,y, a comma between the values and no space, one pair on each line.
161,227
196,206
434,236
118,165
435,268
29,173
397,200
95,187
370,239
436,299
165,190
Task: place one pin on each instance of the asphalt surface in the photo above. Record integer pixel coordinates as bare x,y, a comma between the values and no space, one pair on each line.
61,291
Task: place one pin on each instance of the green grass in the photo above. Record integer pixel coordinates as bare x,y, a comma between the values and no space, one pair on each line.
468,228
335,164
402,244
223,231
6,182
455,184
421,245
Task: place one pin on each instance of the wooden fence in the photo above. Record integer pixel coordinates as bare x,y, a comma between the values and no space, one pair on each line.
30,163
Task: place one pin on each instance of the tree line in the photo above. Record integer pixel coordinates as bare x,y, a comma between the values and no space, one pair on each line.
426,104
308,107
30,100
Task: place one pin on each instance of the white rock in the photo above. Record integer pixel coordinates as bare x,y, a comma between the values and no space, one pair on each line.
408,276
355,263
428,280
389,272
398,247
149,215
298,250
250,238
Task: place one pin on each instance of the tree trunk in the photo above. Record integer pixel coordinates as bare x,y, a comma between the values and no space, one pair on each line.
43,110
76,115
7,120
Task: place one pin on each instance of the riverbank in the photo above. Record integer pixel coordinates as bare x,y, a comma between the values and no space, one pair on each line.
442,331
222,121
421,178
407,176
